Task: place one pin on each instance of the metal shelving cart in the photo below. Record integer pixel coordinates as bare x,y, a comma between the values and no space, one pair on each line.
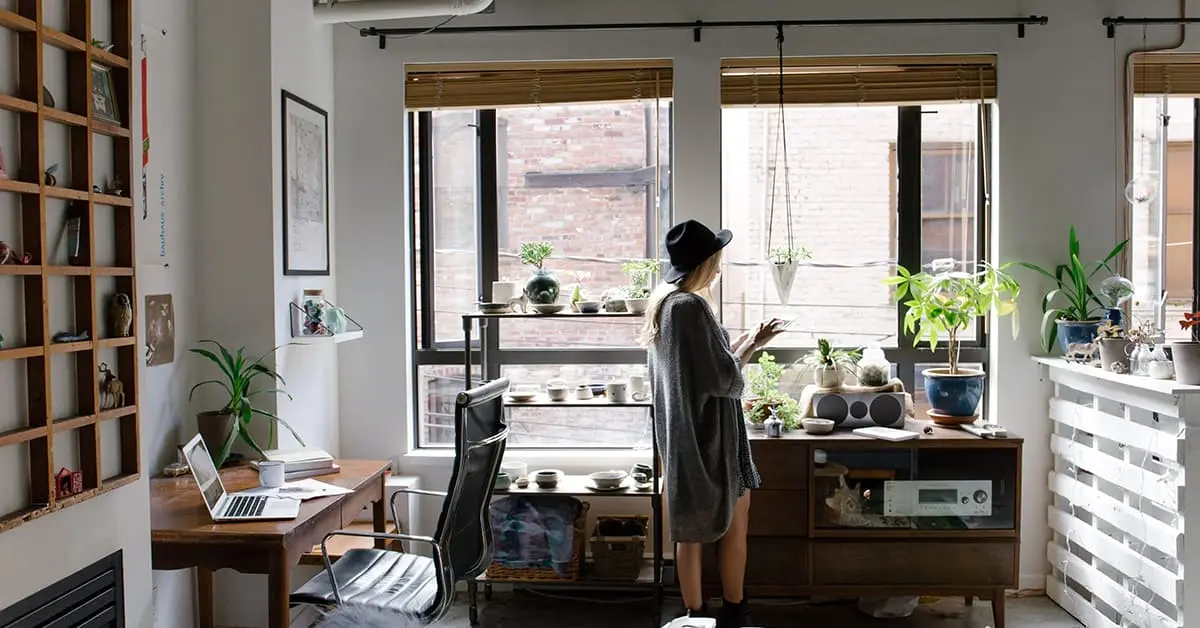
651,575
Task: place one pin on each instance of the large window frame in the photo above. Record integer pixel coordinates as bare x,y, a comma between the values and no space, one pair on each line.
489,207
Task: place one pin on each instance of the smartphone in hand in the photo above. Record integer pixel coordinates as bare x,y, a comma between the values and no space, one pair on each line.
781,325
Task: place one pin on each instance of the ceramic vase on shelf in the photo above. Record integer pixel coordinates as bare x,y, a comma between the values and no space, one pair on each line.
313,304
1186,358
542,288
335,320
1115,354
828,376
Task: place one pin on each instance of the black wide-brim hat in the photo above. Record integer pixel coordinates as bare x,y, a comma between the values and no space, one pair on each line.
689,243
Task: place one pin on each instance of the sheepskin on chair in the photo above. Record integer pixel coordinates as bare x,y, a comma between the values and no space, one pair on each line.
359,616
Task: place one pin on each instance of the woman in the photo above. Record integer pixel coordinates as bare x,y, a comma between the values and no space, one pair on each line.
696,377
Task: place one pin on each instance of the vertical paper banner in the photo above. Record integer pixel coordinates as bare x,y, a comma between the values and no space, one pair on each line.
152,233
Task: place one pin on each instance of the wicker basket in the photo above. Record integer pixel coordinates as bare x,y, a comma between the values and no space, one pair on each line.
502,573
619,556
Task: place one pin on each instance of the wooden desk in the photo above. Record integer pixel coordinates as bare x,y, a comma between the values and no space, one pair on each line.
182,533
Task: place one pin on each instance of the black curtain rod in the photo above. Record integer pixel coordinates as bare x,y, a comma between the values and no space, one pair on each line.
1111,23
698,25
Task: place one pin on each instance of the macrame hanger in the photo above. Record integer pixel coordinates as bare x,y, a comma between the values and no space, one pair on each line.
781,145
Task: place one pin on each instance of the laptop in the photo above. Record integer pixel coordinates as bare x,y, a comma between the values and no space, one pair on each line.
224,507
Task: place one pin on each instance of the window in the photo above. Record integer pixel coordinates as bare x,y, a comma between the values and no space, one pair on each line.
1162,229
578,157
879,175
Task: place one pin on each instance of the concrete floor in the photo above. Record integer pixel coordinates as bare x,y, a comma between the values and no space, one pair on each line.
536,610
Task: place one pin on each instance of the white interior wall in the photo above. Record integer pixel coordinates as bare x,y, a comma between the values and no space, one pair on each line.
54,546
1057,135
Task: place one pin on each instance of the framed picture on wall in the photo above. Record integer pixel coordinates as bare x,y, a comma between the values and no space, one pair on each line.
305,187
104,96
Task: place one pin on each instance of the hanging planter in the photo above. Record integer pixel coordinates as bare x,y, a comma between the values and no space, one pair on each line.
785,261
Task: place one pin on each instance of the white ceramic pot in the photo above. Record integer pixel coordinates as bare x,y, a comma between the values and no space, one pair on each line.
828,376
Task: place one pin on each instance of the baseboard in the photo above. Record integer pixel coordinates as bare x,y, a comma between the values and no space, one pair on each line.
1032,581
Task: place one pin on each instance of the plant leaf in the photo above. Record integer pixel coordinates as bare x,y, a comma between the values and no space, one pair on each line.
283,423
210,381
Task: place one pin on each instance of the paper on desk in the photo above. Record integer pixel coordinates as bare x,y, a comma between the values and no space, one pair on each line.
301,489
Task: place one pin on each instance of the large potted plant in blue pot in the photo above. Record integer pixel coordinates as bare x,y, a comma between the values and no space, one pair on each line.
940,303
1072,311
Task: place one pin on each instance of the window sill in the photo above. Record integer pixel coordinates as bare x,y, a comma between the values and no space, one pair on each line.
567,460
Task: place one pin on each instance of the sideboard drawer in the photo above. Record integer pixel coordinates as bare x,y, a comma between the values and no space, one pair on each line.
783,464
769,561
914,563
778,513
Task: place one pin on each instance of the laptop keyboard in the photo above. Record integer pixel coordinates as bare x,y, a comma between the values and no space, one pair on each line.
246,506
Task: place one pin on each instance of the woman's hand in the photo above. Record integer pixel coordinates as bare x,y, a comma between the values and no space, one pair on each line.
740,342
766,331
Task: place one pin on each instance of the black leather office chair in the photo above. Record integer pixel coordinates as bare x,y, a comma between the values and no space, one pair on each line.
417,587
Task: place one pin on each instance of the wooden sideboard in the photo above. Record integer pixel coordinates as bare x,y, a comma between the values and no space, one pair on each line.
797,546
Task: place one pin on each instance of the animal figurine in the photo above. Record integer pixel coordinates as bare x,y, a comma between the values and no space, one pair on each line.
49,178
1082,353
115,187
112,391
519,304
7,255
120,312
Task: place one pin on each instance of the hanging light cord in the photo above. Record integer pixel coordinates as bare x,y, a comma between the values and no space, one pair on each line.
782,143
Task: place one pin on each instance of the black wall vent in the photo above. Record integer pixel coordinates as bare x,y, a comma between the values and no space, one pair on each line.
93,597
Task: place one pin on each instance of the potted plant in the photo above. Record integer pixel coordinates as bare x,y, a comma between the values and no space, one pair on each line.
641,275
830,366
943,302
785,260
766,396
1072,311
1114,347
220,429
542,287
1185,354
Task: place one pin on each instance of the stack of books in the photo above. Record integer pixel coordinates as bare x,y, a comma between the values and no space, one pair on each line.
302,463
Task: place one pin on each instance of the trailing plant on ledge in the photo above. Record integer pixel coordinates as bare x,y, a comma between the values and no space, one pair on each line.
238,377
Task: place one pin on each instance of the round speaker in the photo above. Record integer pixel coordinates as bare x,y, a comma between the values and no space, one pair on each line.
832,407
887,410
858,409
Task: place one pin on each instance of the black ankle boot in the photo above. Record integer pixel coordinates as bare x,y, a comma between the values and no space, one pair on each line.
734,614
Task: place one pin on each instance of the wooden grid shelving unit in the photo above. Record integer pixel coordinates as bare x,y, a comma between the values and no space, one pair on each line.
41,427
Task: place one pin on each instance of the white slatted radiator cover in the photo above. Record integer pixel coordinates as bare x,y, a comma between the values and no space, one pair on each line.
1118,497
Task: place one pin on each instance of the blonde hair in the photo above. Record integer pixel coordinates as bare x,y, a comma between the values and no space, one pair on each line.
698,281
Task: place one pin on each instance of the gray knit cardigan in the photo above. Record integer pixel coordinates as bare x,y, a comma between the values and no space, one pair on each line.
697,384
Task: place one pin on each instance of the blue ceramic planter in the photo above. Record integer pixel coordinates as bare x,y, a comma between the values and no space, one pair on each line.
1076,332
954,395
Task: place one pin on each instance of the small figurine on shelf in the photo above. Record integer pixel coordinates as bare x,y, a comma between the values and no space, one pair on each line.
105,46
112,391
115,187
1,341
96,189
67,483
49,178
7,255
120,312
66,336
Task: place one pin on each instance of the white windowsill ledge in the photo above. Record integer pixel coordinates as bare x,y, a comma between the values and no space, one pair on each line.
568,460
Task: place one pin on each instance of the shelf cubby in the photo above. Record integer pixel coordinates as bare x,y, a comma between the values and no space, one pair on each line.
60,415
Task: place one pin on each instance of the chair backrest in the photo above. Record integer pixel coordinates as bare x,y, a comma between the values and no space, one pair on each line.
464,527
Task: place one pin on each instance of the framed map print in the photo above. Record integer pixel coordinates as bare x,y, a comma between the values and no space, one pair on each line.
305,187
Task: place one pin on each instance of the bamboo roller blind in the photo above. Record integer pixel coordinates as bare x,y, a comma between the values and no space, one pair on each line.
893,80
515,84
1166,74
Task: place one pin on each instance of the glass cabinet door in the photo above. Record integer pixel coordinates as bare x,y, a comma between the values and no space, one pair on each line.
916,489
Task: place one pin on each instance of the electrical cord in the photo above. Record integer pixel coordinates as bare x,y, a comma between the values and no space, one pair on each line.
362,29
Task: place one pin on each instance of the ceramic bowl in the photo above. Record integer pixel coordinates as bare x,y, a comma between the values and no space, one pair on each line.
547,478
615,306
548,308
557,393
521,396
636,306
608,479
493,308
587,307
817,426
514,469
503,481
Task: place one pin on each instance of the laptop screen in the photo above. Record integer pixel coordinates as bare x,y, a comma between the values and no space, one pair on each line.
204,471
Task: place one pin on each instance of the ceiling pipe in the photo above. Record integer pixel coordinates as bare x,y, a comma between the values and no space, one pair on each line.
336,12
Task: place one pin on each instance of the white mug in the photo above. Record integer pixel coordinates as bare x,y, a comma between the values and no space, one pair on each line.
503,291
637,387
270,473
617,392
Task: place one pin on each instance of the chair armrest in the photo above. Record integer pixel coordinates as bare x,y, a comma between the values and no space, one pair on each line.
412,491
337,594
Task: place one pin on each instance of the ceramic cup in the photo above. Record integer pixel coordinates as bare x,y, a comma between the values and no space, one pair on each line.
270,473
617,392
503,481
503,291
556,393
583,392
637,387
547,478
